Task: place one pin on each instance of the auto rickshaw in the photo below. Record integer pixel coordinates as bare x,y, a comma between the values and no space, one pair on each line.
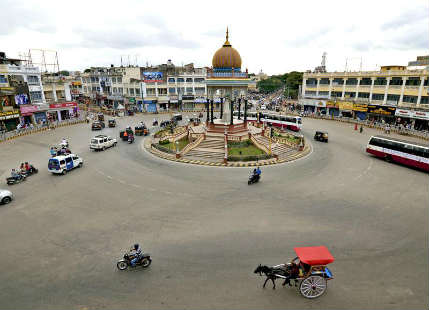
321,136
124,133
112,123
100,117
141,130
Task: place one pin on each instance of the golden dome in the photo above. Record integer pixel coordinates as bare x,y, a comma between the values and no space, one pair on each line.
226,56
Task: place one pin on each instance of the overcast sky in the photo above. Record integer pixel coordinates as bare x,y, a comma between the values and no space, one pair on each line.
275,36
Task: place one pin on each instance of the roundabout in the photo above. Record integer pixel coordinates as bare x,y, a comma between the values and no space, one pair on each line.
206,229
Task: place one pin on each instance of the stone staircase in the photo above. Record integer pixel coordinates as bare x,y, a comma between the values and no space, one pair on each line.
281,150
211,149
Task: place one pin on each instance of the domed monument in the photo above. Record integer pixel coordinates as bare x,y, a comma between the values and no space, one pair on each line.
228,85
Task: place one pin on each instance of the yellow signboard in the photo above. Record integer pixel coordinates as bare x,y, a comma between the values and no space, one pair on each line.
361,107
346,105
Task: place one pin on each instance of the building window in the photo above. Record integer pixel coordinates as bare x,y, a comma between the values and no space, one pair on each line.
171,90
171,80
323,93
131,90
413,81
377,96
121,90
352,81
3,78
119,79
162,91
380,81
180,80
310,93
409,99
92,79
199,80
425,82
363,95
324,81
424,99
36,96
33,79
200,90
188,80
336,94
98,88
94,88
138,91
113,80
97,79
115,90
393,98
337,82
348,94
151,91
311,82
366,81
396,81
189,90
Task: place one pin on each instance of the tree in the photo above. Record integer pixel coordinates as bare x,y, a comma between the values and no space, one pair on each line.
87,70
64,73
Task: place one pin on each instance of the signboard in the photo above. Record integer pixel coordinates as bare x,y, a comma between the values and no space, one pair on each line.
404,113
21,99
28,109
332,104
345,105
8,115
421,115
382,110
321,104
132,100
361,107
152,77
7,90
63,105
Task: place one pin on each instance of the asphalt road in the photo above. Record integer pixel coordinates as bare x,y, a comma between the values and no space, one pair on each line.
207,230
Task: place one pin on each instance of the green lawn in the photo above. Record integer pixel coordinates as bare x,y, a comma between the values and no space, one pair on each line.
182,143
245,147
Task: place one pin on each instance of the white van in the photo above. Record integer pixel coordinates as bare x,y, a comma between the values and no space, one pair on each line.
101,142
62,164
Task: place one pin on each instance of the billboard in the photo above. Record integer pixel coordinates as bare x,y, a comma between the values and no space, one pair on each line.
152,77
21,99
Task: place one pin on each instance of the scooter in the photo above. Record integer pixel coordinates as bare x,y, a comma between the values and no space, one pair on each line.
253,178
145,261
130,139
12,180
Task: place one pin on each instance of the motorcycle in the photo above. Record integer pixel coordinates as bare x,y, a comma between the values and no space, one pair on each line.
12,180
144,261
130,139
155,123
200,115
64,144
32,170
253,178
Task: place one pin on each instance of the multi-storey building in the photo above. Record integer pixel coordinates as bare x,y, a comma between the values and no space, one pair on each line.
387,94
131,88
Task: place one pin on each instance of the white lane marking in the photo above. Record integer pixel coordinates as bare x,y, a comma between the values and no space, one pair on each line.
109,177
366,170
122,181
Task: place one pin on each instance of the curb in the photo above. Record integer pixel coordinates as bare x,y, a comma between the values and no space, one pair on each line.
270,162
39,130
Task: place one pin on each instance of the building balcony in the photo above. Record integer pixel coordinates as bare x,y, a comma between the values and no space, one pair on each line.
237,75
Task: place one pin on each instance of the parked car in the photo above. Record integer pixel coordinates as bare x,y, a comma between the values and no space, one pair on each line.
177,117
64,163
102,142
112,123
5,196
97,125
321,136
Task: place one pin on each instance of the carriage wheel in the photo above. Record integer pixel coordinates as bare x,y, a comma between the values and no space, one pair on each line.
313,286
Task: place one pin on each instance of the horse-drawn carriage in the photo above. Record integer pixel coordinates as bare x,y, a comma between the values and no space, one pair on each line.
309,269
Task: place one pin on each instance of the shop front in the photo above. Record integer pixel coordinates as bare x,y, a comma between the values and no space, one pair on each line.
200,104
150,105
9,119
360,110
321,107
346,108
421,120
333,108
188,102
381,113
173,102
63,111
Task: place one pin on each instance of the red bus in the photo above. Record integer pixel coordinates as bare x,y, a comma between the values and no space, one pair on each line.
404,152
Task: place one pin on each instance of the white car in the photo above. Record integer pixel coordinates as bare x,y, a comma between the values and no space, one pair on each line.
64,163
5,196
102,142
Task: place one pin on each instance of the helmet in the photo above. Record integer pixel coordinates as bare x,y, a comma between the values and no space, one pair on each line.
136,246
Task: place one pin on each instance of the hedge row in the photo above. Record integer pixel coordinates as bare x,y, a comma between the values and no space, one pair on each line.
248,157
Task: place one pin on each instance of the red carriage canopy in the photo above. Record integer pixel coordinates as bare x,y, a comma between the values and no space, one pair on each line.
314,255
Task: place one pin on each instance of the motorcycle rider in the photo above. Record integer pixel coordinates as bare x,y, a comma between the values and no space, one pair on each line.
27,167
136,252
64,143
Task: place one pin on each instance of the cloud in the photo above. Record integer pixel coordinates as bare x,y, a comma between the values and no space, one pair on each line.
310,38
407,18
14,16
